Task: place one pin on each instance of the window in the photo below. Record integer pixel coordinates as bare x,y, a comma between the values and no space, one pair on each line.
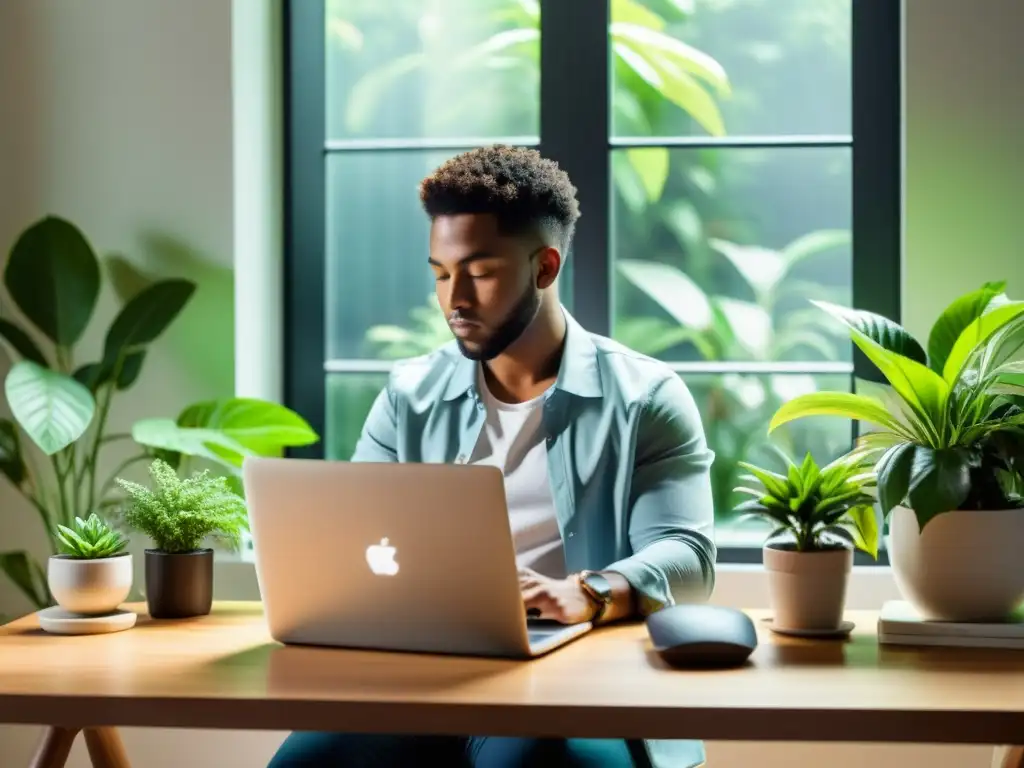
734,158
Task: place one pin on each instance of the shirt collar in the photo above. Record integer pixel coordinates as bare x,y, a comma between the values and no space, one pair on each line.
578,373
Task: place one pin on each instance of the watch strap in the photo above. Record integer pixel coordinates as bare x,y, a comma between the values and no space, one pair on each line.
598,589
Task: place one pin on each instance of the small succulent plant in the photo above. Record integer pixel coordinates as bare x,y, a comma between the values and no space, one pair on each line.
90,539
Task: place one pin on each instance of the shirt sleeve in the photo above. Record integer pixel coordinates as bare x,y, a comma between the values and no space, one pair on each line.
378,441
671,524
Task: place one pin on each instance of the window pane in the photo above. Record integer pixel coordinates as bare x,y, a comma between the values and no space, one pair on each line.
717,252
377,249
349,399
736,409
731,67
410,69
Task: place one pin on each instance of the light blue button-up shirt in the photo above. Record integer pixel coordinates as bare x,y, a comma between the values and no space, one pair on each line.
627,460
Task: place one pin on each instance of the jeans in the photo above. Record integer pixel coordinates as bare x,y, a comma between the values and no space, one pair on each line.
320,750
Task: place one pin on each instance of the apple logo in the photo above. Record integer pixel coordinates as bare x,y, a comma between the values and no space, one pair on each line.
381,558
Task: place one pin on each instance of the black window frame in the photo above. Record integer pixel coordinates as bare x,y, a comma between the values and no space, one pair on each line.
575,131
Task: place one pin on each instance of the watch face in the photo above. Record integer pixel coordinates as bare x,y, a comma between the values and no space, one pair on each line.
599,584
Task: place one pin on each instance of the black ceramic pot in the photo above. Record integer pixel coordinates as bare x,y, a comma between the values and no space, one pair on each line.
179,584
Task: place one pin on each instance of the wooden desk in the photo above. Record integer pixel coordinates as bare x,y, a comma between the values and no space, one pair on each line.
224,671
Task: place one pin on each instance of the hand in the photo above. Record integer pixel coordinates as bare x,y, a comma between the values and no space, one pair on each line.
561,600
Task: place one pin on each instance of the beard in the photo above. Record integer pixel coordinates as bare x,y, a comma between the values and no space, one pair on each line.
510,329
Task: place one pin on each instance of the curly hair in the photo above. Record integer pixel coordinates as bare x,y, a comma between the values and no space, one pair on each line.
520,187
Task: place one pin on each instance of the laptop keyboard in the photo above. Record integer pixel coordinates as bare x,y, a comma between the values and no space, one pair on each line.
542,630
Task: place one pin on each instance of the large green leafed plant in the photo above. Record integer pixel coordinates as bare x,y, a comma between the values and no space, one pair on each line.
60,396
951,417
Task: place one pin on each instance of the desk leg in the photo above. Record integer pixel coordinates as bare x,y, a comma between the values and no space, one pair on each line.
54,748
1008,757
105,748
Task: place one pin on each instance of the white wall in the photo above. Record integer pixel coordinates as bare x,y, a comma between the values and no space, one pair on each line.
120,115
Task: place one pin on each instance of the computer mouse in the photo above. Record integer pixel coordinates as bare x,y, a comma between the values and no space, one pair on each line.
695,636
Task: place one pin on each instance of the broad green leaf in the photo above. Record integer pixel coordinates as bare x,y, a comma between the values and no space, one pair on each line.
53,276
954,319
212,444
865,529
677,294
145,316
878,441
763,512
750,323
884,332
22,343
498,45
1013,367
11,462
130,369
673,83
835,501
814,243
894,476
925,391
670,54
1014,390
940,481
683,220
259,425
52,408
838,532
845,404
776,484
95,375
651,165
976,333
762,268
628,184
26,575
651,335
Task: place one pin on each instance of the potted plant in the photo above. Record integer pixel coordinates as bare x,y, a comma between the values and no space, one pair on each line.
951,423
178,515
92,573
819,515
61,393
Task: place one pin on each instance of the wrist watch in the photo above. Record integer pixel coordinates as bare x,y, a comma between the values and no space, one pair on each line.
598,590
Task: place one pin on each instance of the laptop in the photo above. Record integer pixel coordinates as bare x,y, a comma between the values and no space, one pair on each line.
390,556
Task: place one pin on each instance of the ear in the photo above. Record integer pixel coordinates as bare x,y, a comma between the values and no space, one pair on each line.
549,265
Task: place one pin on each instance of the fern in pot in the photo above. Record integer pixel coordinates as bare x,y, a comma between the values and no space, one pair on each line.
951,423
819,515
179,515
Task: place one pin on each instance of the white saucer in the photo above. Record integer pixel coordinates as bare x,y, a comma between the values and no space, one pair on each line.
841,631
58,621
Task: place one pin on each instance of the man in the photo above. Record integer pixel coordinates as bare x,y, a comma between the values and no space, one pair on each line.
605,461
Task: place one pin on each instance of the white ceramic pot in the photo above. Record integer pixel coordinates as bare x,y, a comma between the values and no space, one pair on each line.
90,587
966,566
807,590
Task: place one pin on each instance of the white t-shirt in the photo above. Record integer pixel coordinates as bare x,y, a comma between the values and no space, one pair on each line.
512,439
